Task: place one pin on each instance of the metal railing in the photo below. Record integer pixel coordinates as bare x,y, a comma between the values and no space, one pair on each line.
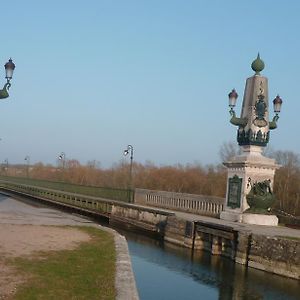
125,195
102,206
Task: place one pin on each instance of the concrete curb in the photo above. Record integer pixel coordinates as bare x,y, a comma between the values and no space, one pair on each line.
124,280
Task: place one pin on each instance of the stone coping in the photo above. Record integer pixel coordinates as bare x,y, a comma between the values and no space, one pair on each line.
124,281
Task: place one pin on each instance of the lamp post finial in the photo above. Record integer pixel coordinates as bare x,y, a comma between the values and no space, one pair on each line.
257,65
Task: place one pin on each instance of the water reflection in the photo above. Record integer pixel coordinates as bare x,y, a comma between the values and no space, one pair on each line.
164,271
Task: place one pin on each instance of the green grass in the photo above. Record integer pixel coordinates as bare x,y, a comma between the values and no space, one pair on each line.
95,191
88,272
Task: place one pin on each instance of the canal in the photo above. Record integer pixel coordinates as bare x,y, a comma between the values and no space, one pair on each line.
164,271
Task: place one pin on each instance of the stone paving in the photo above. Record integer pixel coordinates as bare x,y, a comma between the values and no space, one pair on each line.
256,229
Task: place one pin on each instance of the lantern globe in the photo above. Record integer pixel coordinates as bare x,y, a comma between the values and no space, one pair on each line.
9,69
277,102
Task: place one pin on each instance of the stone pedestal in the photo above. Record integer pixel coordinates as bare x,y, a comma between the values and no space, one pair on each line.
250,166
259,219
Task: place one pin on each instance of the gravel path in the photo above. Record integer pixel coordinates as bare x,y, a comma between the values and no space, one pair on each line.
22,233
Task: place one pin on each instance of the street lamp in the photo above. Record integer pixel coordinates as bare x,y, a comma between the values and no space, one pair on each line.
6,168
9,70
27,159
233,95
277,102
62,157
254,125
250,175
125,153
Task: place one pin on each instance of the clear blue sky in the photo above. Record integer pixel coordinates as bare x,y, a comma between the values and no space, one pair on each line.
93,76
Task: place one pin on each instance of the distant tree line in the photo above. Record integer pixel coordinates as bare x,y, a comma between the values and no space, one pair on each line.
190,178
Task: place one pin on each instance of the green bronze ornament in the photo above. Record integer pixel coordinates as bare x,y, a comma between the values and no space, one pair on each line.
257,65
241,122
273,123
260,198
250,137
4,92
260,108
254,125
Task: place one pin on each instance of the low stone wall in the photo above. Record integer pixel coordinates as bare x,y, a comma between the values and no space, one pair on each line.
215,238
278,255
179,232
134,217
197,204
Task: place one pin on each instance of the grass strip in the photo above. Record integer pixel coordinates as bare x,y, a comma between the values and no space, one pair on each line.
94,191
87,272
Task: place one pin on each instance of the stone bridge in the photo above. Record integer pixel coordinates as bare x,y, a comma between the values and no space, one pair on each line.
273,249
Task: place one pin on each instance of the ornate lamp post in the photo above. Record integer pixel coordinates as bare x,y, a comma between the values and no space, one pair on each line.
126,152
62,158
250,175
6,168
27,159
9,70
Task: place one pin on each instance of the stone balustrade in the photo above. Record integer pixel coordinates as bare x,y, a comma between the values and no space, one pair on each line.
116,211
197,204
101,206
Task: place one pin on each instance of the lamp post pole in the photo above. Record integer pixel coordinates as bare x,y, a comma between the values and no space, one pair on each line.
9,70
128,150
62,157
27,159
6,168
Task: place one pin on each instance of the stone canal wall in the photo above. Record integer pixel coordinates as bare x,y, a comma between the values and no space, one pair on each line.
278,255
179,232
134,217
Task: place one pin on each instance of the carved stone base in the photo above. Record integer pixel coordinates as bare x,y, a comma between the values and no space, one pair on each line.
231,216
255,219
244,171
259,219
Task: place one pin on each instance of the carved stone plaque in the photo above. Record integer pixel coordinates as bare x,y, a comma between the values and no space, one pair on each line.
234,192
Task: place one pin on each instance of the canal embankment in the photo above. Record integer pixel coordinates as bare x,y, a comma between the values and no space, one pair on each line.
30,231
245,244
272,249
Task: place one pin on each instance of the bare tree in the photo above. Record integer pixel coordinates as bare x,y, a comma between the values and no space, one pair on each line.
228,150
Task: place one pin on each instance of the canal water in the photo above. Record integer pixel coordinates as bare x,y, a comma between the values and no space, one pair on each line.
166,272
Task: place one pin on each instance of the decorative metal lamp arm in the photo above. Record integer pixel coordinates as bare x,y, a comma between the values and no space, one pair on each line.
277,102
273,123
242,122
4,92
